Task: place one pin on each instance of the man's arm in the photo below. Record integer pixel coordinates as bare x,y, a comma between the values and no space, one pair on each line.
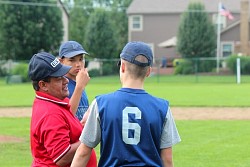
167,157
82,80
68,157
82,156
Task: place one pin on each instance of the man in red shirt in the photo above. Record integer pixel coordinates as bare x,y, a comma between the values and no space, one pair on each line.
54,131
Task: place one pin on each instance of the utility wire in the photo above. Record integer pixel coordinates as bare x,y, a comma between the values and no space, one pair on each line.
28,3
43,4
86,7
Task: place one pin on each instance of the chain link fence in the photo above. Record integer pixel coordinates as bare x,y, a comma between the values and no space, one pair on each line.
200,70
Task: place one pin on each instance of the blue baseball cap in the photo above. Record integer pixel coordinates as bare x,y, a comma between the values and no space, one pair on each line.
43,65
71,49
135,48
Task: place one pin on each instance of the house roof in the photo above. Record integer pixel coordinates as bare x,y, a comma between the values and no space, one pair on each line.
177,6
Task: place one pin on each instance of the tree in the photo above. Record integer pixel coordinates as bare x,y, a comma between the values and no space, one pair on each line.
100,39
196,35
79,15
27,29
80,12
118,11
119,16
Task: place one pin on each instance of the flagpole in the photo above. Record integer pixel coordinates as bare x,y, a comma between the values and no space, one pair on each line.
218,38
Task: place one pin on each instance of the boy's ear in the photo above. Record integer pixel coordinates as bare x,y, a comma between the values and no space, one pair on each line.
149,71
123,66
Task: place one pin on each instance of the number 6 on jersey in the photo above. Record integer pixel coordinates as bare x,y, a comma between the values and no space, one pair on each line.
128,126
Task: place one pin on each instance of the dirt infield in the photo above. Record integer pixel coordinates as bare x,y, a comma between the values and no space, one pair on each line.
179,113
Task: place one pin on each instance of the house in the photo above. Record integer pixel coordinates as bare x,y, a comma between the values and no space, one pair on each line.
156,23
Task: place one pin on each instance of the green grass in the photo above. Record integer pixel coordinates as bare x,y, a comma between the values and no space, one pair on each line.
204,143
16,95
205,94
15,154
179,90
213,144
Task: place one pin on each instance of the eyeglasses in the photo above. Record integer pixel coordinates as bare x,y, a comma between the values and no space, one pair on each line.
118,63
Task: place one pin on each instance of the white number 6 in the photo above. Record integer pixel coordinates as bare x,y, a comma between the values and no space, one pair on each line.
126,126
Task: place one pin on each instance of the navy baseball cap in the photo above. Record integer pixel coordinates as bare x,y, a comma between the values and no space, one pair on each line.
135,48
43,65
71,49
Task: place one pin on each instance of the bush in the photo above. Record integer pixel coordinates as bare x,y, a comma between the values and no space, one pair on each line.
205,65
3,72
244,63
190,66
109,68
94,73
22,70
176,62
184,67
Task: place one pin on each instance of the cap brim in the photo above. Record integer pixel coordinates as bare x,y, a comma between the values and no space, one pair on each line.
61,72
72,54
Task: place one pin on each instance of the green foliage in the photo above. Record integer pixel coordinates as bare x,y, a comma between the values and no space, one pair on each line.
79,15
109,68
244,63
205,65
100,39
191,66
184,67
27,29
196,33
94,73
3,71
82,9
119,16
21,69
177,62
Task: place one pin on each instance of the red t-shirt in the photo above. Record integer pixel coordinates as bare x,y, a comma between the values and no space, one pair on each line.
53,129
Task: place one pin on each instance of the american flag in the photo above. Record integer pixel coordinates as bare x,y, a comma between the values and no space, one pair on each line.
225,12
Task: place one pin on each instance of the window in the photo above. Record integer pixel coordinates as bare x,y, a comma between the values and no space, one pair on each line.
227,49
136,23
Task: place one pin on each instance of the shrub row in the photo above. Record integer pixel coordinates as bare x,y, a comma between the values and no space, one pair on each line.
191,66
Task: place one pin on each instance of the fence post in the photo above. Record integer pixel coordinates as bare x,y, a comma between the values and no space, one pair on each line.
196,60
238,70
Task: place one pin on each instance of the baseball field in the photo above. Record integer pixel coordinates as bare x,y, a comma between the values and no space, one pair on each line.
212,115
